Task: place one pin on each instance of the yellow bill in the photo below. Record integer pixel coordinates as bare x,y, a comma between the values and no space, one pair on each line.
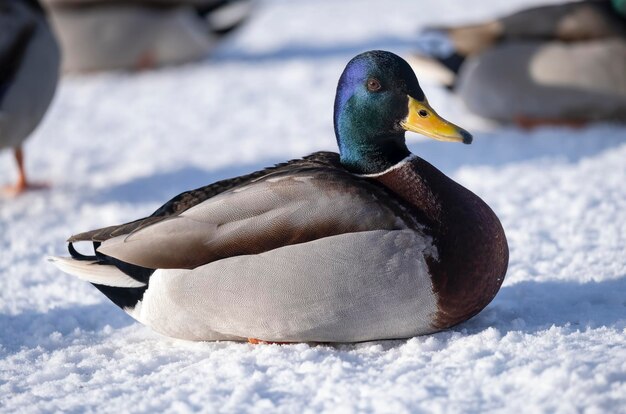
424,120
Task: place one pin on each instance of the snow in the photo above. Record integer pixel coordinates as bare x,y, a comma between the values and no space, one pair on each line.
115,146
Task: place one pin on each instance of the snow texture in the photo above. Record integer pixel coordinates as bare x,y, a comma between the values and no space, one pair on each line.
115,146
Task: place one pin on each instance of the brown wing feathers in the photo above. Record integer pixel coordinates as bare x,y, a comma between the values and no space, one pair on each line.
296,202
188,199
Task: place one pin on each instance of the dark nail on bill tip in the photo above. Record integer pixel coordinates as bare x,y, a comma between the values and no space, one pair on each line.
467,137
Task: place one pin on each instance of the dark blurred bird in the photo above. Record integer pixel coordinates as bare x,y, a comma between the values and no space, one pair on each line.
29,72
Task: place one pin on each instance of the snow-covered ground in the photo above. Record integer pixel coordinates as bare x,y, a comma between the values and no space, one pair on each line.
115,146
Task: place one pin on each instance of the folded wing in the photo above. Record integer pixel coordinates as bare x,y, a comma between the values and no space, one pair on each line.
274,211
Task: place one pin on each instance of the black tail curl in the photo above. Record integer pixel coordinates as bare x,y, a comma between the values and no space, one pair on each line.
123,297
79,256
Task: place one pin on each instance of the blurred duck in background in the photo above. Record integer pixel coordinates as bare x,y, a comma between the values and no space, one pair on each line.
560,64
141,34
29,72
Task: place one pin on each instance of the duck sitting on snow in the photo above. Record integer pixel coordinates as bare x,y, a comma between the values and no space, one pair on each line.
371,243
29,72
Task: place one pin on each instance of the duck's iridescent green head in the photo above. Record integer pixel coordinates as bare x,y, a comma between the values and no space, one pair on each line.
378,99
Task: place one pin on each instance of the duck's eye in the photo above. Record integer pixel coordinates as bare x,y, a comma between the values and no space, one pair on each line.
373,85
423,113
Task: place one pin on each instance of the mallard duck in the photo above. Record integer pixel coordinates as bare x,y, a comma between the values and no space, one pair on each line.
29,72
141,34
371,243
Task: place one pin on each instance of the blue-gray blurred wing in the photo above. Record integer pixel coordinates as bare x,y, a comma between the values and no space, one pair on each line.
17,29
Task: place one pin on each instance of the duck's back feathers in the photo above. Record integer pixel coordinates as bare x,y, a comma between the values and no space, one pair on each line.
291,203
188,199
275,211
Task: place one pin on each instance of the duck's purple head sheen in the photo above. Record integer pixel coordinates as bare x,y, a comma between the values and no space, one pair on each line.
378,99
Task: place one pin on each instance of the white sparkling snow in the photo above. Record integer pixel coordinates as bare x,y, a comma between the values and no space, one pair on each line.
115,146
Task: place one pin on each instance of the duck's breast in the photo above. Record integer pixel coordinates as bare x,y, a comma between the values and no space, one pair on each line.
471,245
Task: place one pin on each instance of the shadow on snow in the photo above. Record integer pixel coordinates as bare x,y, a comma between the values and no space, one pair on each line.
33,329
531,306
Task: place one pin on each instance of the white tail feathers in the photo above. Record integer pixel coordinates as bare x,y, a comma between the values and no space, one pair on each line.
95,273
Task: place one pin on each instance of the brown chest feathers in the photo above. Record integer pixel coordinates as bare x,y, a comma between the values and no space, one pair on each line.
472,250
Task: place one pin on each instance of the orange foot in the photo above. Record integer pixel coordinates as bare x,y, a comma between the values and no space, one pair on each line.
256,341
23,184
21,187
